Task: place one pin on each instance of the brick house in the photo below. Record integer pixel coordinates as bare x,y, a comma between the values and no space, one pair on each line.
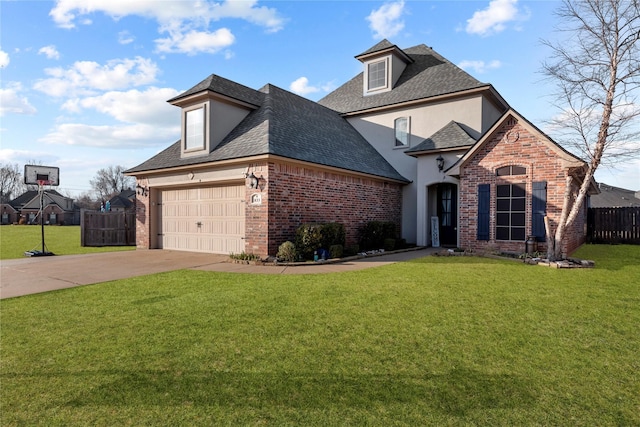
403,141
58,209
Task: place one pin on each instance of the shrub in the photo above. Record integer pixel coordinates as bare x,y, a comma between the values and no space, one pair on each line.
243,256
308,239
389,244
287,252
373,234
336,251
312,237
352,250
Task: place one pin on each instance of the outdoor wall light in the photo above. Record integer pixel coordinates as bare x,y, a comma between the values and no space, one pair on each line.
253,180
440,161
142,191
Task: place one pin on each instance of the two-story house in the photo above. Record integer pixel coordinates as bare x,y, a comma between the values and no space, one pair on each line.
411,139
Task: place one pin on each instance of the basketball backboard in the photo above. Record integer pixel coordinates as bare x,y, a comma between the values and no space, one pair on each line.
41,175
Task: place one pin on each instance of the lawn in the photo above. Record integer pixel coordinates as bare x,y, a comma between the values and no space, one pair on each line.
435,341
61,240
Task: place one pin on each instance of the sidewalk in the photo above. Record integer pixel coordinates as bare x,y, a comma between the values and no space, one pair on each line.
27,276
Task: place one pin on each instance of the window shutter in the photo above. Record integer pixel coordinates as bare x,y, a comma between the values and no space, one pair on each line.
484,201
539,210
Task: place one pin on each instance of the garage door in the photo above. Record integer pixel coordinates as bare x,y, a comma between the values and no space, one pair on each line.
203,219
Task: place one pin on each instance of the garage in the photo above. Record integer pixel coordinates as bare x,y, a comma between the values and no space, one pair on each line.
202,219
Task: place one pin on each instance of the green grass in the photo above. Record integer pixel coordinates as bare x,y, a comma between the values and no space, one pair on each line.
61,240
437,341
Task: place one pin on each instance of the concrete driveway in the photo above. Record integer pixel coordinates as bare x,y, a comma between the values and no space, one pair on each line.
26,276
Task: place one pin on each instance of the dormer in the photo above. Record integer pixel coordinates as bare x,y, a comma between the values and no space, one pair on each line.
210,111
383,66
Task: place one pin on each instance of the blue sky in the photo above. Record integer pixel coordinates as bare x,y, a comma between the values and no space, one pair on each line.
84,83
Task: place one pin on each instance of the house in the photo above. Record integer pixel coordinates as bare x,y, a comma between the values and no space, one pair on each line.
411,139
123,201
58,209
614,197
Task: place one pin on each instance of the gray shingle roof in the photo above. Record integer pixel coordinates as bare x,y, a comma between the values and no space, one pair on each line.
429,75
614,197
453,135
382,45
290,126
222,86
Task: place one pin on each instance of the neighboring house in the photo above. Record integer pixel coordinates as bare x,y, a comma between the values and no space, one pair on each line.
614,197
123,202
411,138
58,209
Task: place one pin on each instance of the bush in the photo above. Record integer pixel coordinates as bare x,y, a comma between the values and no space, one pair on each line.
389,244
336,251
352,250
308,239
287,252
313,237
373,234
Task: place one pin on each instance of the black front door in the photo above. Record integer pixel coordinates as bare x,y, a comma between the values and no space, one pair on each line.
447,196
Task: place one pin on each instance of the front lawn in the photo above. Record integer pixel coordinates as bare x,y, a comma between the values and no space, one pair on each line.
61,240
436,341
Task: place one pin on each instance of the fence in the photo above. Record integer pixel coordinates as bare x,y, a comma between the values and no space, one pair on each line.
614,225
107,228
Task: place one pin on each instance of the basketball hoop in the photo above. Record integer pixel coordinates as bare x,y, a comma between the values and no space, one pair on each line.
43,182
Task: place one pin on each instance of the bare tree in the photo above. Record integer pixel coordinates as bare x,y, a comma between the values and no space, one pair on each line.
111,181
597,74
10,181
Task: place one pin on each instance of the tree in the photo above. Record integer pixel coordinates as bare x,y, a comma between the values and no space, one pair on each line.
10,182
111,181
597,74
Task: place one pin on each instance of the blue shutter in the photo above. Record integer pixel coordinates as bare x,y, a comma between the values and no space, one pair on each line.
539,210
484,202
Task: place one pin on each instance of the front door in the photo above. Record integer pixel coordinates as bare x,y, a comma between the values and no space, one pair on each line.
447,196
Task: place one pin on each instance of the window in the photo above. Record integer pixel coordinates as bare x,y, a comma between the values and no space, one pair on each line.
194,129
377,75
510,212
53,218
401,126
511,170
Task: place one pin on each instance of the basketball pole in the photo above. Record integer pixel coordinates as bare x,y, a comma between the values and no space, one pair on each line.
42,215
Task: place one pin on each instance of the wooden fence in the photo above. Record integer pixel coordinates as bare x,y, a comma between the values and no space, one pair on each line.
614,225
107,228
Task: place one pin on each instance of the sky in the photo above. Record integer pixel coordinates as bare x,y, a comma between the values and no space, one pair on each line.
84,83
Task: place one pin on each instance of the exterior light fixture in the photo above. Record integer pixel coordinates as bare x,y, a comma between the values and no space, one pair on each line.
142,191
440,161
253,180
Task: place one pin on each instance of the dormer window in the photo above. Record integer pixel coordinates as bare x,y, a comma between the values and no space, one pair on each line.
377,75
401,129
194,129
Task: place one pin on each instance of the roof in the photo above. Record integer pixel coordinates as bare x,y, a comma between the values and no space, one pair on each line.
451,136
50,197
289,126
614,197
123,200
222,86
429,75
29,195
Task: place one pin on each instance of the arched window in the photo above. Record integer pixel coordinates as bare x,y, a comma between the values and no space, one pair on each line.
511,170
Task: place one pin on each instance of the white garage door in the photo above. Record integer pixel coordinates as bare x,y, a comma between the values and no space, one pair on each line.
203,219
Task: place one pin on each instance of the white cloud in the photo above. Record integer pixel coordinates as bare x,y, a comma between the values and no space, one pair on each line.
111,136
186,22
479,66
12,102
84,77
193,42
133,106
301,87
4,59
493,18
21,157
50,52
386,21
125,37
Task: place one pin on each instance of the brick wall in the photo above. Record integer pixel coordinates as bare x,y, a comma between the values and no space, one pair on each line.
542,164
293,194
142,217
